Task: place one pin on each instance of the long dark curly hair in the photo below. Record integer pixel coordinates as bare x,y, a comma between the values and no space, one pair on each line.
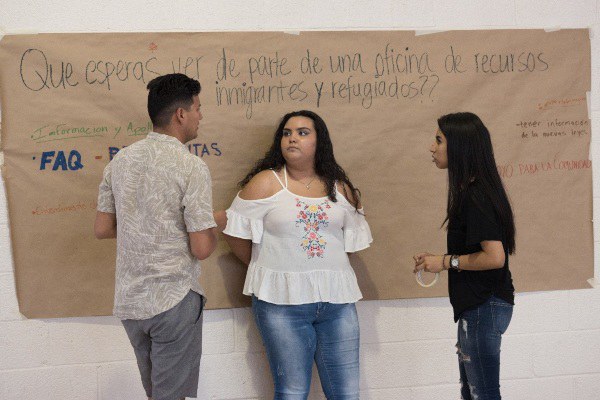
326,166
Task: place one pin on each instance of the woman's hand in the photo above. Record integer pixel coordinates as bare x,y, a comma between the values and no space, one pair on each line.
428,262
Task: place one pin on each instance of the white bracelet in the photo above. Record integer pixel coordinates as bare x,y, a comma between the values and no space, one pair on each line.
419,278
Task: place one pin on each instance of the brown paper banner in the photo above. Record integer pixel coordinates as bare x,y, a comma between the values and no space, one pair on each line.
70,101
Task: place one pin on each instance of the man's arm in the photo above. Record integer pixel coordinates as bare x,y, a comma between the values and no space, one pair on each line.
198,213
105,226
203,243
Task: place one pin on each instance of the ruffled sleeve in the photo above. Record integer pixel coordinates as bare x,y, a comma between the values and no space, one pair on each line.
245,218
357,234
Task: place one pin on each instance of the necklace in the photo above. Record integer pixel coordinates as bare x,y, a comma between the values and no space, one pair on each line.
307,185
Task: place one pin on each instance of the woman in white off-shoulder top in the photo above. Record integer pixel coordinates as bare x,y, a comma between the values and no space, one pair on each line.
294,221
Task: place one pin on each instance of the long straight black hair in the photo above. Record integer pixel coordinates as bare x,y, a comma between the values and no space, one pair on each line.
471,162
326,166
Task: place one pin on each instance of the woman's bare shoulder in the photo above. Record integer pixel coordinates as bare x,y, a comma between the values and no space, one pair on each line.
262,185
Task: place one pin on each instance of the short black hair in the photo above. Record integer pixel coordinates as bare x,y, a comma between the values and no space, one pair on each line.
167,93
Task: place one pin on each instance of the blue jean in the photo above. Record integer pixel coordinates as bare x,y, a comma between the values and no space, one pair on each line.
295,335
480,332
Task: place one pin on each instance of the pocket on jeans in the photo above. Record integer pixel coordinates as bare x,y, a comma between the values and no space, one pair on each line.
502,314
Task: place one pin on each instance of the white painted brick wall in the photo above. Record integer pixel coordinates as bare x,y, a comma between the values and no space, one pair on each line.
527,318
573,13
57,383
9,309
218,332
119,381
467,13
587,387
247,338
23,344
84,340
566,353
539,389
517,356
584,309
551,351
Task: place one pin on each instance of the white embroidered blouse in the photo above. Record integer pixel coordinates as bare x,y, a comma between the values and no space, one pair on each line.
299,246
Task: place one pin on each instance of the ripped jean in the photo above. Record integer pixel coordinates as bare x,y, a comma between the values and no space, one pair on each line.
480,332
295,335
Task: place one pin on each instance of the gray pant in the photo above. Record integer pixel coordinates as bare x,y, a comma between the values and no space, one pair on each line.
168,348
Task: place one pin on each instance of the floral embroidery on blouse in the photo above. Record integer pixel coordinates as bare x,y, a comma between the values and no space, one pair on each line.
311,217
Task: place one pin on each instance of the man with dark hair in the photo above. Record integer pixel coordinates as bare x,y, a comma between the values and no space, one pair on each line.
156,199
